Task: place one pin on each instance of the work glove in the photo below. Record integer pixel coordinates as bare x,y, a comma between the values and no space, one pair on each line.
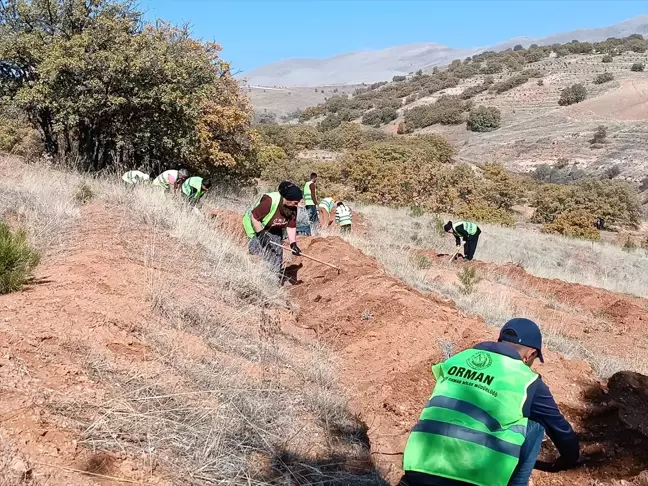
263,237
295,249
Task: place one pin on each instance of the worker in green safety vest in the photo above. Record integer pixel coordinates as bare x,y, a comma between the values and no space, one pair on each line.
343,217
195,188
469,232
265,223
135,177
326,207
310,200
487,417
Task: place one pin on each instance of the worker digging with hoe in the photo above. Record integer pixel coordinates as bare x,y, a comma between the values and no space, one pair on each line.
487,417
265,223
310,201
469,232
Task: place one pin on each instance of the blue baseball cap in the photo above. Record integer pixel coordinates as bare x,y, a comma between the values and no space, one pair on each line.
525,332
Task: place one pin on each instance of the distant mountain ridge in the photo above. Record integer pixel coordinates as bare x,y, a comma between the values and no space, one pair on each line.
383,64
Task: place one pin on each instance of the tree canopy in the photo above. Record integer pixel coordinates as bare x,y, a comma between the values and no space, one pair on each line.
106,90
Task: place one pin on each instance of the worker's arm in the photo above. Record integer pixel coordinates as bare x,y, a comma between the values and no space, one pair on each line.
313,193
291,229
260,212
292,234
542,409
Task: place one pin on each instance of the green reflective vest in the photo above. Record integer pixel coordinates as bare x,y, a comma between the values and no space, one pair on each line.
193,184
308,197
247,218
471,228
327,203
166,179
472,428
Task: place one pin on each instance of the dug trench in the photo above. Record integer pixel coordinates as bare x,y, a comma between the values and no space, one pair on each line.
388,335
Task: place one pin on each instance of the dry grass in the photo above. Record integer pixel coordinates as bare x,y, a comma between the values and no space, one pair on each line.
597,264
395,234
40,200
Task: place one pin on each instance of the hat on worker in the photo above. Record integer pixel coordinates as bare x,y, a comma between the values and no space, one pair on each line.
524,332
290,191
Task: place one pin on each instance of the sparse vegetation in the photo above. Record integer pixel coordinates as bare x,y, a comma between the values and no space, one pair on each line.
603,78
84,193
600,135
421,261
17,259
607,58
484,119
638,67
572,94
468,277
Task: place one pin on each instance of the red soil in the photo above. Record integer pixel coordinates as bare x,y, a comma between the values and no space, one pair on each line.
388,335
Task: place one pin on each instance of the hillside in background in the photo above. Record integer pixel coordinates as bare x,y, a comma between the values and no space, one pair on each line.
383,64
524,87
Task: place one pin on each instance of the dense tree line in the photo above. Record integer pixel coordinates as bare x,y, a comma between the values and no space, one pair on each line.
104,89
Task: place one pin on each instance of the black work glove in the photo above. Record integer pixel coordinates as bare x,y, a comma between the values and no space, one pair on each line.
295,249
263,237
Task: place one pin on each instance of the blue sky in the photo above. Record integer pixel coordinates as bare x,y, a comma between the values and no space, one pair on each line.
256,32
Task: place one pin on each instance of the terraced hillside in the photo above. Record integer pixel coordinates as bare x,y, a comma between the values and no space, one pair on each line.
536,130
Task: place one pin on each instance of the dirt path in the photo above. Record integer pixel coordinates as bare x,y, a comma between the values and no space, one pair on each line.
388,335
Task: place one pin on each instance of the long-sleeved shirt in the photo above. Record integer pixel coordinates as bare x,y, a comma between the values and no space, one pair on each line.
460,232
540,407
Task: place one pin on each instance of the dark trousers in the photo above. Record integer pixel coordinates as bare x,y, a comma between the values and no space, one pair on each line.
346,228
470,246
270,253
313,216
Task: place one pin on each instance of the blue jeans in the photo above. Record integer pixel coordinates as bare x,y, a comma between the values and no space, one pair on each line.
313,216
528,454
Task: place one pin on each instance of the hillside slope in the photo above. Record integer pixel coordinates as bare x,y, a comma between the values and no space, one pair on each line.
382,65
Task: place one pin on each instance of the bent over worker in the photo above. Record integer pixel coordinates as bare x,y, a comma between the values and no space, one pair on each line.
194,188
343,217
265,223
326,207
171,180
487,417
469,232
134,177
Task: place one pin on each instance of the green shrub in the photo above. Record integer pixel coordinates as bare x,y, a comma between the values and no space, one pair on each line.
485,212
484,119
607,58
492,68
510,83
84,193
473,91
421,261
540,82
629,245
572,94
574,224
638,67
468,278
603,78
416,211
446,111
379,117
17,259
397,79
600,135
